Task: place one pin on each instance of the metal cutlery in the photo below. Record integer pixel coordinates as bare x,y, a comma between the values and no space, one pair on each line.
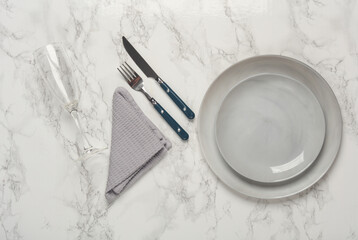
149,72
136,82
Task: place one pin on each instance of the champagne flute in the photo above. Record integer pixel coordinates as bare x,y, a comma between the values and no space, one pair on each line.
58,71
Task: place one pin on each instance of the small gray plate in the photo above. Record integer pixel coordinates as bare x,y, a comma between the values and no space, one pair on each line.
270,128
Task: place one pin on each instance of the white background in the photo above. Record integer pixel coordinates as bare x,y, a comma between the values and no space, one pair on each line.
46,193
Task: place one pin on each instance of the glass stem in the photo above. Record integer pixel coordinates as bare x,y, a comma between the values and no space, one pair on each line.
86,145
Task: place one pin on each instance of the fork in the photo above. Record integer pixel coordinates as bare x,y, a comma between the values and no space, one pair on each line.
136,82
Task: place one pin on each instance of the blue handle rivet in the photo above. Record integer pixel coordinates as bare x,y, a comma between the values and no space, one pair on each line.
178,129
161,111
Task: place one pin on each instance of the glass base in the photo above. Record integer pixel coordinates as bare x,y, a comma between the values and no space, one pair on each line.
91,152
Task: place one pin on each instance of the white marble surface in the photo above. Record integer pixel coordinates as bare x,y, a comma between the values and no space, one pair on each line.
46,193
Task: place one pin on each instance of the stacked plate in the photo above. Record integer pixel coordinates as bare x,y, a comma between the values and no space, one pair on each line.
269,126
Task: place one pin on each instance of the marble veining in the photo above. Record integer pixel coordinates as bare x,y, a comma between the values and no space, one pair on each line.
46,193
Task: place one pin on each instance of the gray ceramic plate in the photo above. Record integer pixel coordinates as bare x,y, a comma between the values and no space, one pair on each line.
270,128
276,65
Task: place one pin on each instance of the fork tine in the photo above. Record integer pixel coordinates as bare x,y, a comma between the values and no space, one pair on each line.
129,76
124,74
134,72
129,71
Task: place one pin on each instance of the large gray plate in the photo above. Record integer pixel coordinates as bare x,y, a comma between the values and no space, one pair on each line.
278,65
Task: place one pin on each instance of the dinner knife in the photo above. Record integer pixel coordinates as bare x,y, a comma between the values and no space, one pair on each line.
149,72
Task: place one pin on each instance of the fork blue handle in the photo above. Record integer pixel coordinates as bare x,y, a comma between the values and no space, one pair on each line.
173,124
176,99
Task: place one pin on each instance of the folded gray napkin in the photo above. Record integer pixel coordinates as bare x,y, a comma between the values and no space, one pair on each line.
137,145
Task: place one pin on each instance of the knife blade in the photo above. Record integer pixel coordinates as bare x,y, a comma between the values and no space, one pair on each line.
149,72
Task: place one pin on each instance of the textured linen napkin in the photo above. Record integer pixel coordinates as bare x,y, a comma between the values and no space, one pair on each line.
136,145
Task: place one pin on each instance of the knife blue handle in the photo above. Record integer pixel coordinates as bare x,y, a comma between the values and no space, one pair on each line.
176,99
173,124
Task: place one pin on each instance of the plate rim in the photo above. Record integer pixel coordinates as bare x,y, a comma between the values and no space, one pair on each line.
340,127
